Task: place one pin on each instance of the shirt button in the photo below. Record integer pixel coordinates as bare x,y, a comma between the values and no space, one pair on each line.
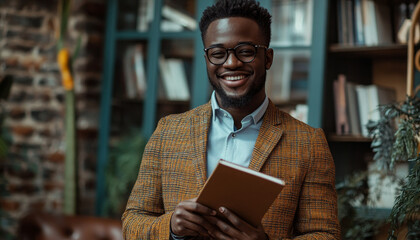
226,115
233,135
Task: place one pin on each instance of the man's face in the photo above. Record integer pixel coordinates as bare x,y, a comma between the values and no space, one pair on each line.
237,84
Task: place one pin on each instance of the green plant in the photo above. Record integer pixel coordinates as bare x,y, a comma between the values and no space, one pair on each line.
122,169
352,193
402,147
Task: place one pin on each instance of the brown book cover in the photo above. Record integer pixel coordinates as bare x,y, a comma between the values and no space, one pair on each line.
245,192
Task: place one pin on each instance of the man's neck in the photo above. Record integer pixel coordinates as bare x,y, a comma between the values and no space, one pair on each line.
238,113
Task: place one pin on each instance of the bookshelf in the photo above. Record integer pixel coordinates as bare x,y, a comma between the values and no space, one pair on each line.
382,64
119,112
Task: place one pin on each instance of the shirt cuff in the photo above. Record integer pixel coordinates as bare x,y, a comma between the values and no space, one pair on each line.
176,237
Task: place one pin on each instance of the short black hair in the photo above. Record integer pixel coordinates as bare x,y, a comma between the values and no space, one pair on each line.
237,8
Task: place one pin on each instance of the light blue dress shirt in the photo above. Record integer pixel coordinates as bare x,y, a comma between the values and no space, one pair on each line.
228,143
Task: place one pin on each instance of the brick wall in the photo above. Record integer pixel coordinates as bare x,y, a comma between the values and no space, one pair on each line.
32,173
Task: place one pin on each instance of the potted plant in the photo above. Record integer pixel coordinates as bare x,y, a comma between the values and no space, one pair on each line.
396,139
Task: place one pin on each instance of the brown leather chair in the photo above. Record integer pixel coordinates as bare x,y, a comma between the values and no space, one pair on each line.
44,226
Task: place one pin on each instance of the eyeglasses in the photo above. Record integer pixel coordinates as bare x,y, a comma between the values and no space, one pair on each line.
245,52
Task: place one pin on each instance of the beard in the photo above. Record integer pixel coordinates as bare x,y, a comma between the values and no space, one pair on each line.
240,101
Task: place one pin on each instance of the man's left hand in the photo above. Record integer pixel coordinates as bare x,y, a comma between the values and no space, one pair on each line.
238,228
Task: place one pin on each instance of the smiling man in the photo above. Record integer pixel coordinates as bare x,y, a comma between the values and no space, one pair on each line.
239,124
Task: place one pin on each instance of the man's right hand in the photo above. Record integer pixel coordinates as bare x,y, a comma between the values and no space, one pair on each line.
189,219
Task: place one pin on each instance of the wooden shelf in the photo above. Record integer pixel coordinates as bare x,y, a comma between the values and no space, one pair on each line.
393,50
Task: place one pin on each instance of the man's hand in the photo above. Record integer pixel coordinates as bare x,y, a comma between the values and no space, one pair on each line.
189,219
237,229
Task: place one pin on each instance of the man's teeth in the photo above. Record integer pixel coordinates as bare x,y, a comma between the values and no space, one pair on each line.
234,78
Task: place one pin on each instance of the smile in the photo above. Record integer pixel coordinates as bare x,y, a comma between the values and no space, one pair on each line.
234,78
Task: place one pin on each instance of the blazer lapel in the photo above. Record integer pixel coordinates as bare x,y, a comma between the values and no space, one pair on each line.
199,135
268,137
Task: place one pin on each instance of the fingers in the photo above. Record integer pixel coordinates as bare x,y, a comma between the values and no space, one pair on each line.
236,228
188,220
192,206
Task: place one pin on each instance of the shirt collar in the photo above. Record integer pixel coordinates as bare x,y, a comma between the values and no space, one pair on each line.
256,115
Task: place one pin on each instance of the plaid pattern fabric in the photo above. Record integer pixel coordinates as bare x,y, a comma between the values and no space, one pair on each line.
173,169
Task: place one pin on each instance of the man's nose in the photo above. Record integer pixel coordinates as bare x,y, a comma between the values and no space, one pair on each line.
231,58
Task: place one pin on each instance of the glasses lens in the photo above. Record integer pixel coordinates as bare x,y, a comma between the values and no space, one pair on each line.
217,55
245,53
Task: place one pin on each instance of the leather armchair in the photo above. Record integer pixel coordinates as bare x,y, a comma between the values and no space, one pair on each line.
44,226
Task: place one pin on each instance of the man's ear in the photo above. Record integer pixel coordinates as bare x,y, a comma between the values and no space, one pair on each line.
269,58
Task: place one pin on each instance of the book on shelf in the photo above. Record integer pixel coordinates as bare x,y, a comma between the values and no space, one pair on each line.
245,192
364,22
134,72
140,73
293,19
341,119
174,79
370,98
178,17
144,14
352,109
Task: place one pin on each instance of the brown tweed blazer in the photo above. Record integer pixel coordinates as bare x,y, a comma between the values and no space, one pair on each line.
173,169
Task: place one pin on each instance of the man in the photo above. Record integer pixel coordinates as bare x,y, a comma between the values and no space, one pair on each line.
240,124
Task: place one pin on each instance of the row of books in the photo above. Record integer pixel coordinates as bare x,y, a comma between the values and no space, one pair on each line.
364,22
173,19
293,22
356,104
287,80
172,72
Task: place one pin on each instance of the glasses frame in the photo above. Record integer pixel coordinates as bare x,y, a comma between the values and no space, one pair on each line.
256,46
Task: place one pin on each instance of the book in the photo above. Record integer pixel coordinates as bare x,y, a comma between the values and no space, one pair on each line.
245,192
174,79
140,73
129,74
358,23
179,17
370,97
352,109
341,118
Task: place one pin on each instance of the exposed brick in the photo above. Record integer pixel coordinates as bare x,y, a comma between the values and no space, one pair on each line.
23,80
24,21
28,36
53,185
24,131
19,97
44,97
49,82
24,188
43,115
56,157
39,205
45,133
22,173
59,97
17,113
22,147
19,47
10,205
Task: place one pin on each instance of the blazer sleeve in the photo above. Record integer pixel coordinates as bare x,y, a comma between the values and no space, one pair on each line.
317,215
144,216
